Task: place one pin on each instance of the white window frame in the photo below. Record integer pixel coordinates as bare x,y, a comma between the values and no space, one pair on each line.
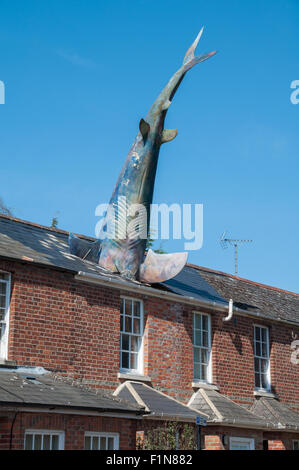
208,348
139,370
295,444
4,324
114,435
43,432
259,358
243,440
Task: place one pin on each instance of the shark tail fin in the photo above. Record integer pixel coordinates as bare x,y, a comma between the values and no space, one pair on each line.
190,59
84,249
161,267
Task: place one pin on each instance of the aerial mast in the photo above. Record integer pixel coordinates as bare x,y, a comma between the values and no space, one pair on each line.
225,242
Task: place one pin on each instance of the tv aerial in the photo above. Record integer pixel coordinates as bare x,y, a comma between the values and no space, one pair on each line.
225,242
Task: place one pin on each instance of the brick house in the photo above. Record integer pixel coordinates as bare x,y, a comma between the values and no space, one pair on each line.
90,360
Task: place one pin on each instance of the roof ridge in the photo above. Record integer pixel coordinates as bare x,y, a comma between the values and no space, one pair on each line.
222,273
43,227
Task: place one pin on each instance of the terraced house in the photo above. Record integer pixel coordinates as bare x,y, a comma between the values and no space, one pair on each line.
91,361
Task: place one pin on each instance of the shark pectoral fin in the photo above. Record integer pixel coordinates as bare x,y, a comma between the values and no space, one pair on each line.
83,248
168,135
161,267
144,128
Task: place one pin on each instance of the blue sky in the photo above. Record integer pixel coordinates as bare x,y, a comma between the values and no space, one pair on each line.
80,75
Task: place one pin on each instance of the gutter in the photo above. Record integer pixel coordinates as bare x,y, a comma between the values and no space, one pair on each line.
99,279
146,290
60,408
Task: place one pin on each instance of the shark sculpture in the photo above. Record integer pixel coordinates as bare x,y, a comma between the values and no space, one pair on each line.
125,254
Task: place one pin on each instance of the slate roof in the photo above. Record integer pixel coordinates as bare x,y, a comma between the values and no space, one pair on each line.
190,282
277,413
247,295
21,240
221,409
18,387
158,404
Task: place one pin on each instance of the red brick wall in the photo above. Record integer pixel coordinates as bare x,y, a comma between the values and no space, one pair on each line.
74,427
217,437
73,328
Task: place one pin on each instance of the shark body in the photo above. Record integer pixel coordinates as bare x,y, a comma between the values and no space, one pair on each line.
134,189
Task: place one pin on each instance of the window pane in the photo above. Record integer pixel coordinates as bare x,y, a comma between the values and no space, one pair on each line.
133,364
4,276
87,443
110,443
121,323
128,307
257,333
37,442
264,365
197,338
3,288
94,443
257,365
125,360
128,324
264,350
196,355
137,309
205,322
257,380
197,322
295,445
257,349
2,312
205,339
136,328
125,342
264,381
28,442
135,343
204,372
55,442
204,356
264,335
197,371
103,443
2,301
46,442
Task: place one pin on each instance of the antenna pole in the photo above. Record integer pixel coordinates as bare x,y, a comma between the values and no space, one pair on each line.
224,241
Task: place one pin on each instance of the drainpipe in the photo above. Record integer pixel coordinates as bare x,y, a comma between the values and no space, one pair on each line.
230,311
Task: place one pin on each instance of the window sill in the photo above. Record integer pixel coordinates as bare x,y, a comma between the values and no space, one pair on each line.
263,393
136,377
205,385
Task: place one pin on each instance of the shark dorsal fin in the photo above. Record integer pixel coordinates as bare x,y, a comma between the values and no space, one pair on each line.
168,135
144,128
